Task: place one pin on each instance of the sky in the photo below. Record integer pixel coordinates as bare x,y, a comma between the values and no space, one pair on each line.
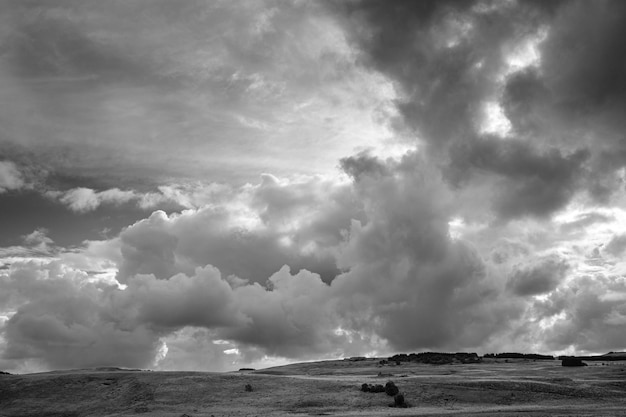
214,185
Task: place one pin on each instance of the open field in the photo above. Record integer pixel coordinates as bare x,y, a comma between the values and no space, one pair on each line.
488,389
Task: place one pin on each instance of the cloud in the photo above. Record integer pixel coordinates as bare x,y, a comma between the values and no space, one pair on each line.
577,93
68,322
586,315
401,281
406,283
10,177
407,280
616,245
37,246
59,320
110,95
260,229
542,277
85,199
494,229
527,181
448,59
201,300
558,90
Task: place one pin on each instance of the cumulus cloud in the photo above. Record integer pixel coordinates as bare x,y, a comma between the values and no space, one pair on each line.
262,228
407,279
406,283
85,199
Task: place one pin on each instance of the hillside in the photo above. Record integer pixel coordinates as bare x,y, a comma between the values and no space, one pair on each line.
491,388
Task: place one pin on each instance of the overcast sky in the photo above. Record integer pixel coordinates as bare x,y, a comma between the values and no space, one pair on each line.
209,185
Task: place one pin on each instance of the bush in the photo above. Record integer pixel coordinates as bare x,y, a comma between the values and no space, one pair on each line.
372,388
572,361
398,402
377,388
248,388
391,389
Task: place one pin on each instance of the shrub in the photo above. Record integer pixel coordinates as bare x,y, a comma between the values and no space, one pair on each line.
248,388
398,401
391,389
572,361
377,388
365,388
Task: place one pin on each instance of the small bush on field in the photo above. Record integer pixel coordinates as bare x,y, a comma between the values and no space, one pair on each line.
398,401
391,389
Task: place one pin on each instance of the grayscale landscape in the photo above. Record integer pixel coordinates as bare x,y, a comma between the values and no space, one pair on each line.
206,206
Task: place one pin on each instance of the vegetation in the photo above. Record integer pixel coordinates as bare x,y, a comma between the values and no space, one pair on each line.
324,388
398,401
572,361
391,389
436,358
515,355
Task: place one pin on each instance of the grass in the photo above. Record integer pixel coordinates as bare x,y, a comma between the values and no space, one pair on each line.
324,388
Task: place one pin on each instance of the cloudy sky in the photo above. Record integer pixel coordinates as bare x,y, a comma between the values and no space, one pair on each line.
208,185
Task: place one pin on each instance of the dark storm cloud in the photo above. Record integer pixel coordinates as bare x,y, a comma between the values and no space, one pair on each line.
529,182
577,97
542,277
525,100
400,40
442,54
363,164
583,57
445,58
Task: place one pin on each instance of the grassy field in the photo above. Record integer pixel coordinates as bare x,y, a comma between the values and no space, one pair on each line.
332,388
